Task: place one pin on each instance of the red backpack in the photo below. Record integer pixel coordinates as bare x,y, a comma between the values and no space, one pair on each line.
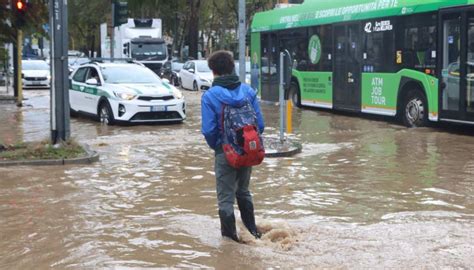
242,143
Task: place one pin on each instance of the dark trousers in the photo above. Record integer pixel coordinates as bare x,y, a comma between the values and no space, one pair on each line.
231,183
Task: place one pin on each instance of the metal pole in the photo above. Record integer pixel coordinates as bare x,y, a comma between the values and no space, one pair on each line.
282,98
60,121
19,83
242,36
15,70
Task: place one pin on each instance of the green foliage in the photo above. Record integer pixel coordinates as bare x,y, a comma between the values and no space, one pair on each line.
84,18
35,17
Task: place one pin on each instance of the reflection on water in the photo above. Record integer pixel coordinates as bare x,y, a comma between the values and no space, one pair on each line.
363,193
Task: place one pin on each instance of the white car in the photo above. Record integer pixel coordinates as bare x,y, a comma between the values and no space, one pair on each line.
35,74
196,75
124,92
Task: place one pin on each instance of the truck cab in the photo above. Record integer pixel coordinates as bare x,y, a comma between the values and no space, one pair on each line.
152,52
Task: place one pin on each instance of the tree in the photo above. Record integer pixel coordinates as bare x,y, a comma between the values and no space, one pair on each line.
84,18
35,17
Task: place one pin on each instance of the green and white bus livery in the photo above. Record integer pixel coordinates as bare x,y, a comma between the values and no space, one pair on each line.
408,58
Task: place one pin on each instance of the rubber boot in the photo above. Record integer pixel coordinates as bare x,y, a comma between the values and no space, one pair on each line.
228,228
248,217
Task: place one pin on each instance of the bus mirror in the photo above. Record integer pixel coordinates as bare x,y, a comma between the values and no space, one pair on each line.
287,70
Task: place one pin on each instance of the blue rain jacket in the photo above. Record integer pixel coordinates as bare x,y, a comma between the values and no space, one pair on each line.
211,110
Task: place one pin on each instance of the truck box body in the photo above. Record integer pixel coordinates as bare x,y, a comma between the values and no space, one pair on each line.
140,39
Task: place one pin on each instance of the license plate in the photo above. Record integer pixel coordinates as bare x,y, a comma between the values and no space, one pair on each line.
158,108
36,83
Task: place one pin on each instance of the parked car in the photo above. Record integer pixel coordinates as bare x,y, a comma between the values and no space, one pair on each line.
35,74
196,75
170,71
124,92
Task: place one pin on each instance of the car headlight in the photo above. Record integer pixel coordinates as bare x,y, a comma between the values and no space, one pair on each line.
48,77
125,95
177,94
204,80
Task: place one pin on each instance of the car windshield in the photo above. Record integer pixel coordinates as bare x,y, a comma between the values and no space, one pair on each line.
177,66
132,74
202,67
34,65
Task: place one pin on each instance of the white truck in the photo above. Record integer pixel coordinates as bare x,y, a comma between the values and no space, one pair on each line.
139,39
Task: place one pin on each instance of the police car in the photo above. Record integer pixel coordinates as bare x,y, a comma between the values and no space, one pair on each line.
124,92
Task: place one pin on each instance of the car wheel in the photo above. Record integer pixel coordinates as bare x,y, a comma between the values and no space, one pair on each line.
195,86
106,115
415,109
294,95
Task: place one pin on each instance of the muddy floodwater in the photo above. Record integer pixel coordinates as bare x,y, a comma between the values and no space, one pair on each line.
364,193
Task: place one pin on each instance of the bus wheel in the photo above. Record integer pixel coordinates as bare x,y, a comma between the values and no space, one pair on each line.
415,110
294,95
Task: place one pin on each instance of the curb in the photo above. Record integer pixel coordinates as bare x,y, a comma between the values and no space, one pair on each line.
275,148
7,99
91,157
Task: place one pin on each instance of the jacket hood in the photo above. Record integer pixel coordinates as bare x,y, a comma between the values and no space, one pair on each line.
235,97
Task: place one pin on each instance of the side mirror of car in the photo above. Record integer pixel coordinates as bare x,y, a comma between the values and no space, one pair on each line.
192,70
92,81
166,81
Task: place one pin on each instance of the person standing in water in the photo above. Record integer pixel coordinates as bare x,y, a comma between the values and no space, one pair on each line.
231,183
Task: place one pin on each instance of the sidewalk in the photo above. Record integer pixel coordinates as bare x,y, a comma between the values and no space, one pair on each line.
6,97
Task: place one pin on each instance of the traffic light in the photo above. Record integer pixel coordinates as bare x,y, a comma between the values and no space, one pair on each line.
119,13
20,7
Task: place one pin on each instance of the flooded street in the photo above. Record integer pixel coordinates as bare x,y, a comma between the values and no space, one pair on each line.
362,194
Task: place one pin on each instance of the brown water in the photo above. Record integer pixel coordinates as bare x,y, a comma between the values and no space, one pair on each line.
363,194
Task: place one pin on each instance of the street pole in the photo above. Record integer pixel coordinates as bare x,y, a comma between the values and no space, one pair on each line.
60,119
15,70
282,98
19,77
242,37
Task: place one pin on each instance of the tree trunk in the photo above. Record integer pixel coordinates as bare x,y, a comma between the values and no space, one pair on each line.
193,30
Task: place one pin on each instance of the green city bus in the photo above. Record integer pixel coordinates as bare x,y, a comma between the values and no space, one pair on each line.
413,59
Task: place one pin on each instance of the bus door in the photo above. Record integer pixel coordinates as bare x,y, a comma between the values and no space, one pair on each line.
457,64
269,63
347,67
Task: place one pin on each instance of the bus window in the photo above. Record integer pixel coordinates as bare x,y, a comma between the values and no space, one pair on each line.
324,33
451,66
377,45
416,42
470,66
294,41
